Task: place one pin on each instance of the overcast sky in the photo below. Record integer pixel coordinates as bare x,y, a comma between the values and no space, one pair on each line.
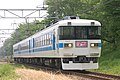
16,4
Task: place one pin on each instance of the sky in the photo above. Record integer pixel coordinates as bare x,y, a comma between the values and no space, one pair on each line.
15,4
18,4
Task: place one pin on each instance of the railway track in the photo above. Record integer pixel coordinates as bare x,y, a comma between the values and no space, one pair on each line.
108,76
87,75
95,75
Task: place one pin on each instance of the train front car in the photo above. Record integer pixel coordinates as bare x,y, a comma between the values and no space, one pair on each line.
79,44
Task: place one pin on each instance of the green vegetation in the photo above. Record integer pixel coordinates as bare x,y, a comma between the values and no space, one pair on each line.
105,11
7,72
110,60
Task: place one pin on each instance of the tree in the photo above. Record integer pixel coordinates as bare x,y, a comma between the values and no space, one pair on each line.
64,7
24,31
111,21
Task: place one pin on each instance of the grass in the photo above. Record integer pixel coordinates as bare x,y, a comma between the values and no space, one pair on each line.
109,63
20,66
7,72
110,60
30,74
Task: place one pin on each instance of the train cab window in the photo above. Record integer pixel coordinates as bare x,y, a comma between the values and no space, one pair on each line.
94,32
67,32
79,32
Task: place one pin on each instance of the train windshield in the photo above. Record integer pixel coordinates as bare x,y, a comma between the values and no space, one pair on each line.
79,32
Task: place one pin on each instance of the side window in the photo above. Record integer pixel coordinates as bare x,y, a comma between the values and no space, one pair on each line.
16,48
38,41
42,40
24,45
47,39
49,36
35,42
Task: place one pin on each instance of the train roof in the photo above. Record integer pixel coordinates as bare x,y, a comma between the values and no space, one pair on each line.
79,22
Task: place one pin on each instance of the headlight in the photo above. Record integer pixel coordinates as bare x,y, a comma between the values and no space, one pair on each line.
68,45
94,45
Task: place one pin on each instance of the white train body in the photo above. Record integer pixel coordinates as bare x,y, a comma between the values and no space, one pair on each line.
76,42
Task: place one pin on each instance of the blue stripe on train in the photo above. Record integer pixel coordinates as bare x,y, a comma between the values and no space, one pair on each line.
19,52
36,50
60,45
43,49
99,44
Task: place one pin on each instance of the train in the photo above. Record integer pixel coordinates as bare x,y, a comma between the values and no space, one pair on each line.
70,44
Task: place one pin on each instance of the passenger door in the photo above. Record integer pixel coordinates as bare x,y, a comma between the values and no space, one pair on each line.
31,45
53,40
